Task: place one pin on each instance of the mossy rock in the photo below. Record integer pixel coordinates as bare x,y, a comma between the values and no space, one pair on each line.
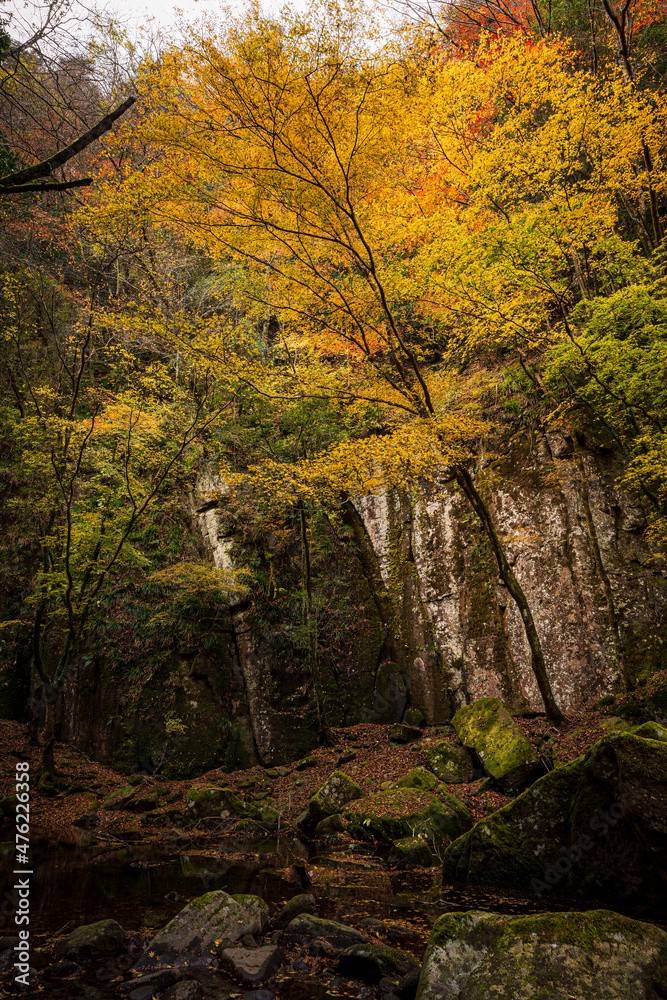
217,802
413,717
406,812
374,961
595,955
449,762
615,725
91,940
265,815
487,727
651,731
305,763
420,778
304,902
595,829
120,799
330,829
330,798
414,851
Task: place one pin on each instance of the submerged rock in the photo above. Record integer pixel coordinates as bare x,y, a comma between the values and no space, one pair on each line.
596,955
594,829
487,727
407,812
373,961
100,938
449,762
330,798
196,932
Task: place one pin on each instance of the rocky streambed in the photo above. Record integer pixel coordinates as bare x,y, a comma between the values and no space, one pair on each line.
386,889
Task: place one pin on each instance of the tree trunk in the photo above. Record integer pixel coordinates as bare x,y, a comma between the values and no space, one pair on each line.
48,769
464,479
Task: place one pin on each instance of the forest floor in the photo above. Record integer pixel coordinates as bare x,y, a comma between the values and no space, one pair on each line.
73,815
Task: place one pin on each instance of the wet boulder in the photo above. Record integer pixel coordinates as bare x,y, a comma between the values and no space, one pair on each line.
91,940
373,961
413,851
406,812
449,762
339,935
596,955
193,936
330,798
487,727
594,829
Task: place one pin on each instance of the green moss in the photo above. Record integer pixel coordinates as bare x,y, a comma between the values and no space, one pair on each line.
491,731
403,812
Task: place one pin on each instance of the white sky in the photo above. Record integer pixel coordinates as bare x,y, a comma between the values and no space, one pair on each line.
135,14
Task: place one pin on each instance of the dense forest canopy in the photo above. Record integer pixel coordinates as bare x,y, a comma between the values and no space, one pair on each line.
324,253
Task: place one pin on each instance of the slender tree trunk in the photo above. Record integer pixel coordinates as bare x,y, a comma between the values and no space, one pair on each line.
48,770
311,629
465,481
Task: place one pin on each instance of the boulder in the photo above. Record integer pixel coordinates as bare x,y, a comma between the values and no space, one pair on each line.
330,798
487,727
100,938
373,961
194,934
597,955
339,935
449,762
399,732
390,695
190,990
253,965
120,799
594,829
414,851
294,907
420,778
652,731
202,802
157,981
407,812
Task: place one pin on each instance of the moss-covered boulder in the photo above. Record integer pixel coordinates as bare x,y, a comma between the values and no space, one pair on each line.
218,802
91,940
214,920
330,798
449,762
373,961
418,777
331,829
400,732
407,812
594,829
598,955
487,727
651,731
119,799
414,851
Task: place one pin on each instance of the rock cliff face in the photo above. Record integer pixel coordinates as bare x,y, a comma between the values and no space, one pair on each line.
436,630
575,540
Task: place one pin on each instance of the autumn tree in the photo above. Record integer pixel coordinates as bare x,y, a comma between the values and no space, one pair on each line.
282,144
